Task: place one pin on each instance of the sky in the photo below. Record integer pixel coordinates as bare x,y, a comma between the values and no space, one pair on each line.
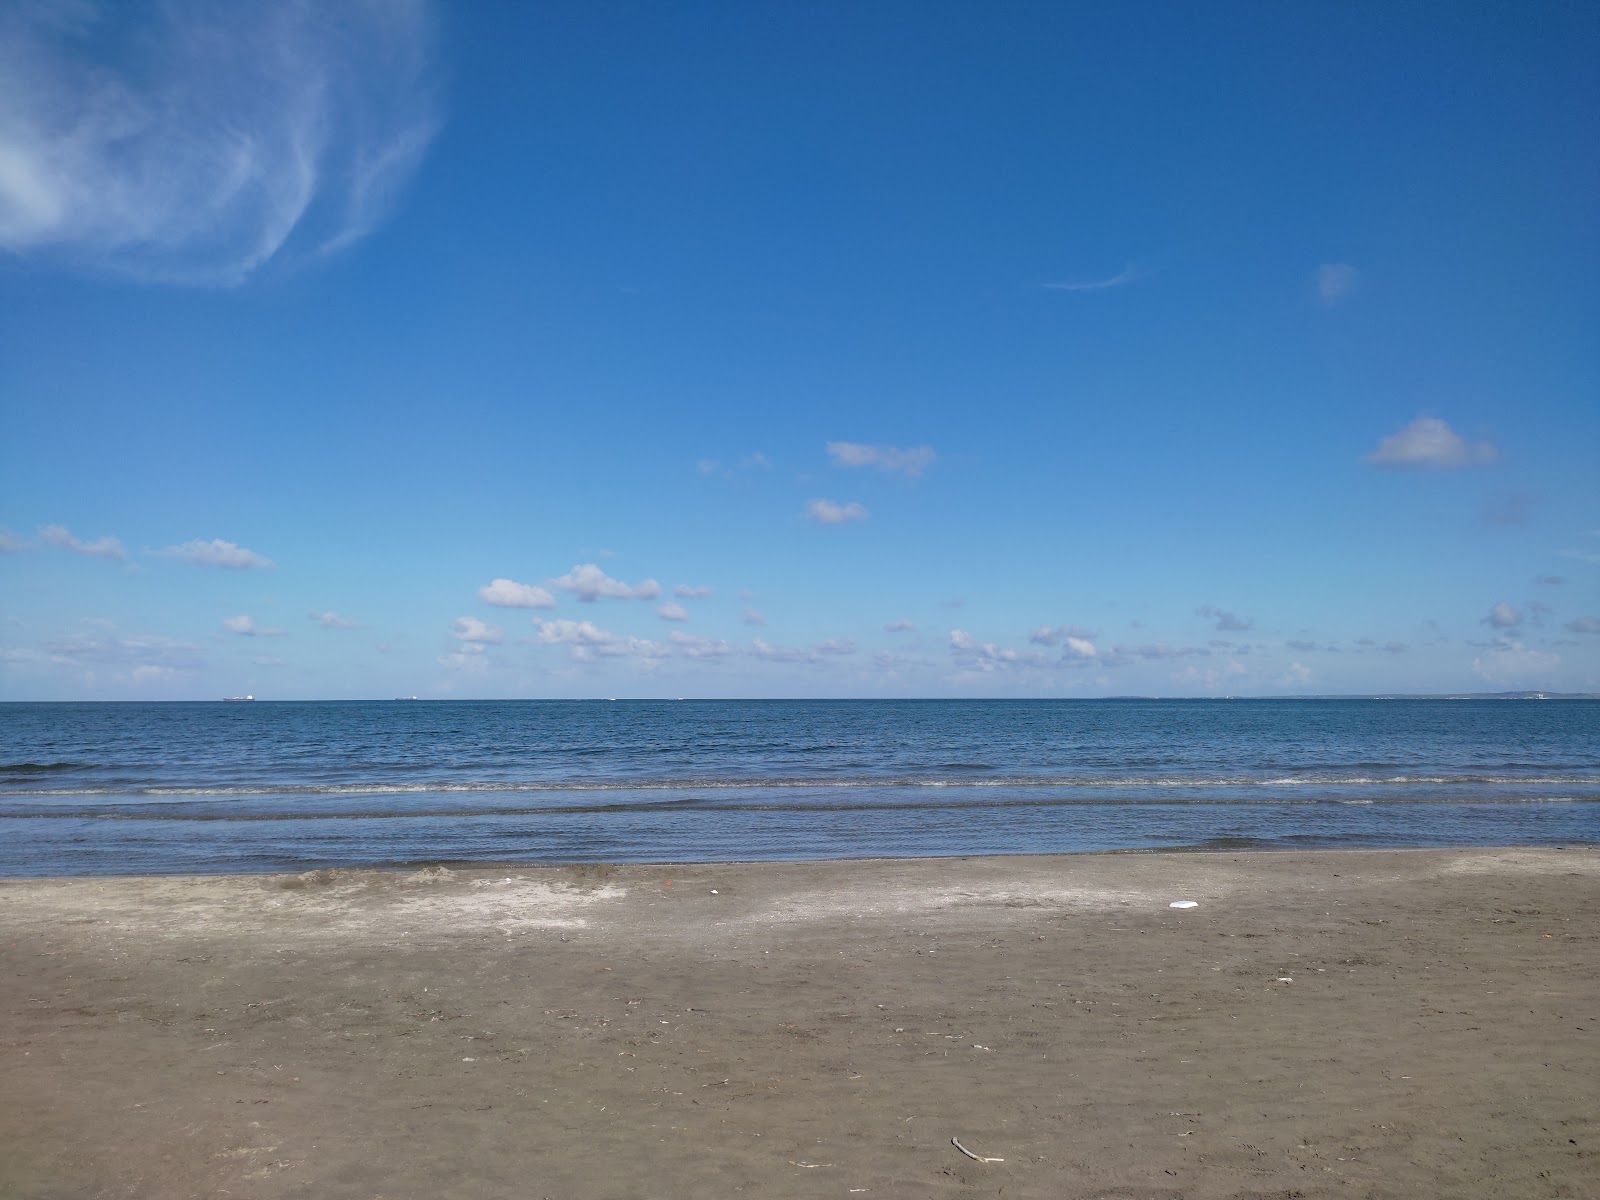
380,348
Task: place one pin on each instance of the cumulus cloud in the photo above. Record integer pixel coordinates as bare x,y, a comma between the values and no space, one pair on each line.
1297,674
245,626
1226,622
214,136
589,583
1584,625
470,629
686,592
827,512
912,461
216,553
586,641
693,646
1081,648
752,617
332,620
1335,281
1127,275
672,612
1503,616
1429,443
60,535
507,593
901,626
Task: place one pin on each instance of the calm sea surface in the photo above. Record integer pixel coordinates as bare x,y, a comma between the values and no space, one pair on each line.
154,788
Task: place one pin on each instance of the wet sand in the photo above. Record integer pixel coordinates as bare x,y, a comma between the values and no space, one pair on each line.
1332,1024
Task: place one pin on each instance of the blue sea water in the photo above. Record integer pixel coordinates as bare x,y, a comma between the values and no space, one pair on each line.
162,788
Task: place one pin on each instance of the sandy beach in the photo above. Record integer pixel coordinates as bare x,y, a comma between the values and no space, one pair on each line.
1330,1024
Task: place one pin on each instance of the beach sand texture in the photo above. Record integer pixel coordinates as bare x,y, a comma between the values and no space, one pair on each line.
1329,1024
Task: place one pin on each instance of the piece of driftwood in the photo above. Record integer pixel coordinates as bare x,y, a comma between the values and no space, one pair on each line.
971,1155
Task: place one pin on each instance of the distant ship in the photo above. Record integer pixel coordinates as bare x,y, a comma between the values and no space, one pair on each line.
236,699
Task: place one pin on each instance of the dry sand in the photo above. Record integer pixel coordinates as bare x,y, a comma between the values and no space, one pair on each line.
1337,1024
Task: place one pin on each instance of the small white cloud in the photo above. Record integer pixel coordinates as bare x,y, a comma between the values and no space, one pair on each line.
826,512
1584,625
672,612
10,542
1429,443
901,626
589,583
1225,621
987,656
1297,674
507,593
244,626
1335,281
216,553
60,535
836,646
752,617
693,646
1081,648
1054,635
269,660
685,592
913,461
470,629
465,660
332,620
1128,274
1503,616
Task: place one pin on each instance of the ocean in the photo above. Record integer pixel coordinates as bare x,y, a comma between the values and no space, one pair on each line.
132,788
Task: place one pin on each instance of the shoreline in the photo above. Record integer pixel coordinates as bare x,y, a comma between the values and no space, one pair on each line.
1395,1022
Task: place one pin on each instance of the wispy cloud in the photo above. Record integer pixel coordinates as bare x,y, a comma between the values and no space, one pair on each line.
1429,443
899,627
105,547
685,591
1335,281
912,461
828,512
216,553
507,593
332,620
1128,274
1515,663
10,542
589,583
245,626
753,617
108,648
1584,625
215,136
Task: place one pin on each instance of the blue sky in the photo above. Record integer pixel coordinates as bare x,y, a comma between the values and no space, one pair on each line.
922,349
